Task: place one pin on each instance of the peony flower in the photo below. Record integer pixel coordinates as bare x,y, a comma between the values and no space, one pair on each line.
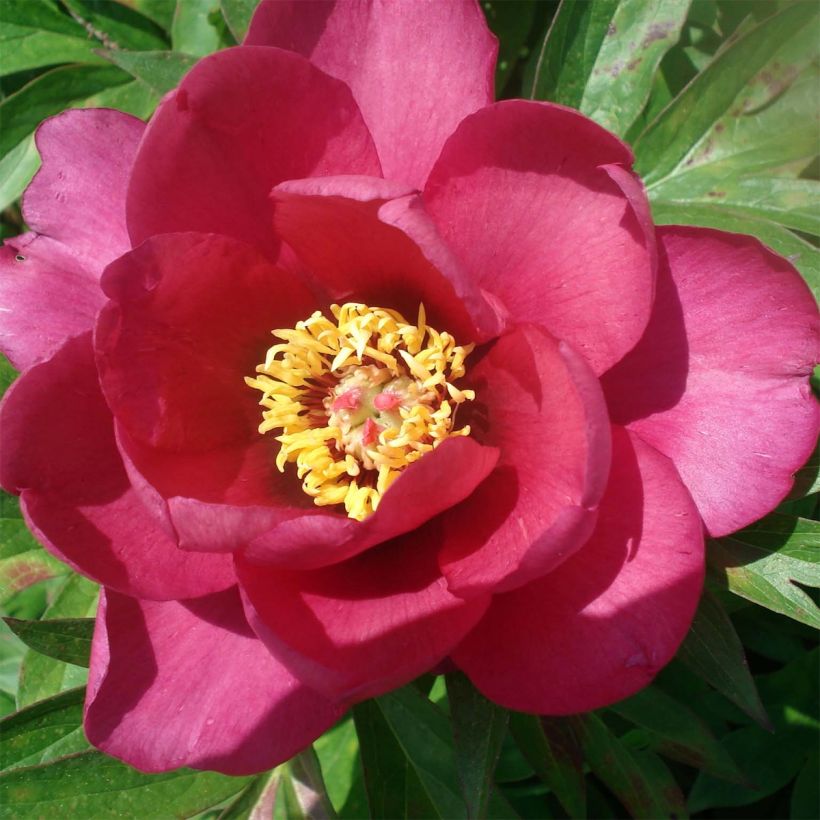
498,412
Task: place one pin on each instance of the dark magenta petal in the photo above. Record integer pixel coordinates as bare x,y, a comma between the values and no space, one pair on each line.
416,69
191,315
188,684
49,284
241,121
367,240
525,194
436,482
58,452
217,500
362,627
599,627
720,381
538,402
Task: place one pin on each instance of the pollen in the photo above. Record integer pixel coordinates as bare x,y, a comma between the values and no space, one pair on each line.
358,398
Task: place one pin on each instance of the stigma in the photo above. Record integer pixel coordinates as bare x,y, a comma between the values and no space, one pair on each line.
357,398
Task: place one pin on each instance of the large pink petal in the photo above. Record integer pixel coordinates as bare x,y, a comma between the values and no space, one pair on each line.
78,195
369,240
540,404
531,198
436,482
357,629
720,381
241,121
58,452
188,684
49,283
46,296
416,69
603,624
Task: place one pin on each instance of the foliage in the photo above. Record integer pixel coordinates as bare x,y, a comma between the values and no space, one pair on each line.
718,99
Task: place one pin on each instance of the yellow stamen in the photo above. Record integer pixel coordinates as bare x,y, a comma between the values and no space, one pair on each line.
358,400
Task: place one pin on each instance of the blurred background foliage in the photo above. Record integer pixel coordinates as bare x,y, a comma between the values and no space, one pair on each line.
719,100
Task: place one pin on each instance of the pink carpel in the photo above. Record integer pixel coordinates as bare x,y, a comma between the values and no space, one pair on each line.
349,400
370,431
386,401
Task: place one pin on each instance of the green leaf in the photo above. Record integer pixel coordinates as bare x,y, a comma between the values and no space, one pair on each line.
237,14
43,15
770,760
24,47
567,54
253,798
117,26
745,113
23,561
806,793
159,70
49,94
677,732
44,731
479,727
134,97
553,749
713,650
510,21
66,639
198,28
160,11
16,171
637,38
408,758
765,563
338,752
640,780
90,784
602,56
43,676
805,257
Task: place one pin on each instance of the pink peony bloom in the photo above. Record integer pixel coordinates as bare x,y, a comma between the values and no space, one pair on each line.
634,388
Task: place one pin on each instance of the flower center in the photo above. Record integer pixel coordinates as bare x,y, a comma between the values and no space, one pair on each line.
358,399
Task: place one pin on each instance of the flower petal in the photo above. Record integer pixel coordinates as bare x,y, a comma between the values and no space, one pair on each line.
191,316
368,240
188,684
78,195
602,624
416,69
525,194
58,452
540,404
241,121
436,482
31,326
720,381
357,629
49,284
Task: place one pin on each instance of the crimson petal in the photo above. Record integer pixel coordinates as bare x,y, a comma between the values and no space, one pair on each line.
362,627
599,627
720,381
416,69
58,452
539,403
530,197
241,121
188,684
